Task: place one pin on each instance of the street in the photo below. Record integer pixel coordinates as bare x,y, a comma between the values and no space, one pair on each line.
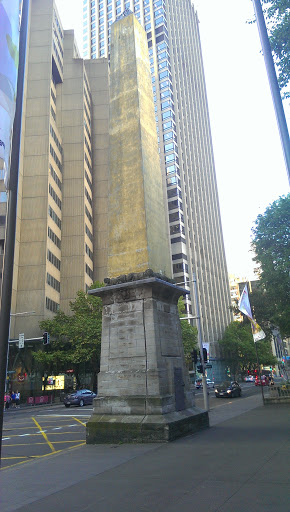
42,431
248,389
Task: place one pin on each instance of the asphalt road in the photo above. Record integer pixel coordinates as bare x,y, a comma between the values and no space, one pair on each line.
248,389
30,433
36,432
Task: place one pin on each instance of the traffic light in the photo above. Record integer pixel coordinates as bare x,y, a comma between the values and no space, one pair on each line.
45,338
199,368
204,355
194,356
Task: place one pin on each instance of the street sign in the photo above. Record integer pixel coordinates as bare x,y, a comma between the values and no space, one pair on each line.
208,365
21,340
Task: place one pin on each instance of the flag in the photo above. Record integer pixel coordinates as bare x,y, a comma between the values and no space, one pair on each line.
245,307
9,56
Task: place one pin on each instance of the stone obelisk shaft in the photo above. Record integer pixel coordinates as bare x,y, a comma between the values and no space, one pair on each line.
138,236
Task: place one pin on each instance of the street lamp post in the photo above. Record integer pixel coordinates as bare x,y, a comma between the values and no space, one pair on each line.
197,318
272,77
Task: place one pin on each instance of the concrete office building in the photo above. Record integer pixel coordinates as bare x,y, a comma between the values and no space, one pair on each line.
185,145
64,118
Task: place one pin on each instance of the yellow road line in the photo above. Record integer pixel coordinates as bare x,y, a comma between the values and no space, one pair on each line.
45,436
73,417
54,442
9,458
40,456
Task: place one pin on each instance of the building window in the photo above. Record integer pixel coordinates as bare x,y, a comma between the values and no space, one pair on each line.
51,305
51,281
53,259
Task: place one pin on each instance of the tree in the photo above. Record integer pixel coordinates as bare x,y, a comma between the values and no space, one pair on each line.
189,334
272,253
277,18
239,351
75,340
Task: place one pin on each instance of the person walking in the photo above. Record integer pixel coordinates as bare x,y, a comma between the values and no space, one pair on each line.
13,399
7,401
17,399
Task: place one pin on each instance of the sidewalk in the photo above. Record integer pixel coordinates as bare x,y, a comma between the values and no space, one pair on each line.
240,464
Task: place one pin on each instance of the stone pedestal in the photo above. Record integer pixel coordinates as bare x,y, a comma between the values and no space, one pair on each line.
144,390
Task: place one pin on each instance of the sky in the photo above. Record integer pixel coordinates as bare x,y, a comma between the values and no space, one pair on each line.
249,161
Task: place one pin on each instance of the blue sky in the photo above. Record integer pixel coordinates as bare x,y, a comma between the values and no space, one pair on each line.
250,167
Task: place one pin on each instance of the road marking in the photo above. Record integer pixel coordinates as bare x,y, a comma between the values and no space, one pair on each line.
40,456
54,442
22,435
68,415
57,428
79,421
44,435
5,438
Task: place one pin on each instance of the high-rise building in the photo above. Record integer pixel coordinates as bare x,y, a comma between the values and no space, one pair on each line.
185,145
65,120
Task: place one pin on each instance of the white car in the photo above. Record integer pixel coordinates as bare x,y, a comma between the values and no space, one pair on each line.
250,378
210,383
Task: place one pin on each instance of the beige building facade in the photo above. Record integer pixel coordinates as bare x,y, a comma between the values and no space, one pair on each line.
65,120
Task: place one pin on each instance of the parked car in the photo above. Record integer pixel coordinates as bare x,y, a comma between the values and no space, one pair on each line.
228,389
80,397
249,378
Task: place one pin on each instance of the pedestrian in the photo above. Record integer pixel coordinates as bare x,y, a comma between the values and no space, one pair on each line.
13,399
7,401
17,399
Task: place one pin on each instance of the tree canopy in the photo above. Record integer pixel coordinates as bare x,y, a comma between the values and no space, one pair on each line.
272,254
75,339
277,18
239,351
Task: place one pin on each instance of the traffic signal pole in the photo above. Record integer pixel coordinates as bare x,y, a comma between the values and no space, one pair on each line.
204,384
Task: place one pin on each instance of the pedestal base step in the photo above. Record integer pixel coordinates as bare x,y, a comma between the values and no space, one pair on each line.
107,428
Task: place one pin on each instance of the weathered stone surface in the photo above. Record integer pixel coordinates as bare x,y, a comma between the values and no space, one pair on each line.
143,384
138,236
145,429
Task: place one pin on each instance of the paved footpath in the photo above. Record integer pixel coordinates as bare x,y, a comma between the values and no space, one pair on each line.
240,464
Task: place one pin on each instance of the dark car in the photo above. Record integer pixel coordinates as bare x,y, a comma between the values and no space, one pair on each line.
228,389
80,397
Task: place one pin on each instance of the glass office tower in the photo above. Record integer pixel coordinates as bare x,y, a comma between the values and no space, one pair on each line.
185,146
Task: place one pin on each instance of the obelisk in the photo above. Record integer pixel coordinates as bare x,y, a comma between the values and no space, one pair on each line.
144,391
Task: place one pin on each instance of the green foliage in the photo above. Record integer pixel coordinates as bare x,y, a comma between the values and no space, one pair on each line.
75,340
239,351
272,249
277,17
189,334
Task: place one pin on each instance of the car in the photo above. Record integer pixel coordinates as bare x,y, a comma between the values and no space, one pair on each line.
228,389
263,381
249,378
80,397
209,383
198,383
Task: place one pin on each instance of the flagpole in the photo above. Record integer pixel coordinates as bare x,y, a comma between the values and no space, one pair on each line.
259,371
258,334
